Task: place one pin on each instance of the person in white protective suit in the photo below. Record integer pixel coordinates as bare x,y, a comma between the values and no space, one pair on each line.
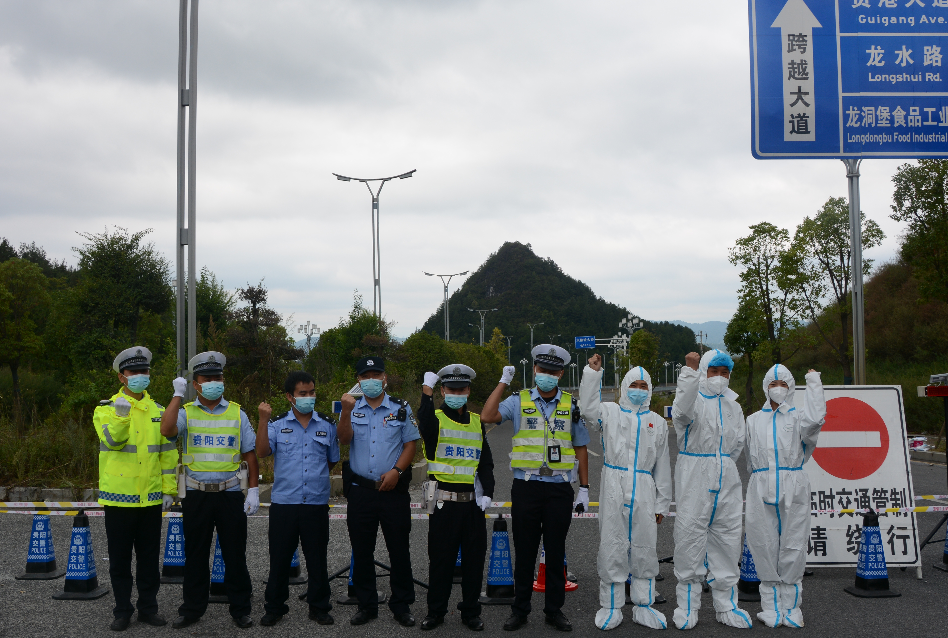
709,425
634,496
780,439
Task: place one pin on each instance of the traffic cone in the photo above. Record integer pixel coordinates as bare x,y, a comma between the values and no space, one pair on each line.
457,568
539,584
218,591
40,556
82,583
748,587
944,557
350,597
872,576
500,582
172,566
296,572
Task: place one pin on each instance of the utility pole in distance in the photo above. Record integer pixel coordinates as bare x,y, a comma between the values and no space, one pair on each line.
482,313
532,326
446,282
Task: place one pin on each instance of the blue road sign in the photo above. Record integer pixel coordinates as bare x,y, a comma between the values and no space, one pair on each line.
585,343
337,407
849,78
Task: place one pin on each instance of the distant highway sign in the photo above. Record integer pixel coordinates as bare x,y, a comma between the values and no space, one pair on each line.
585,343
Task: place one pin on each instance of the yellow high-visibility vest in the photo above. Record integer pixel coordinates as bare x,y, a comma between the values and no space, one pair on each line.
534,437
213,441
459,450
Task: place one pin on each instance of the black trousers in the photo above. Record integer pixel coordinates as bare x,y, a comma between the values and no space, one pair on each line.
139,528
291,525
540,509
369,509
456,525
203,511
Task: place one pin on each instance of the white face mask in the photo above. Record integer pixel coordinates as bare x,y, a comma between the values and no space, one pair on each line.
778,394
717,385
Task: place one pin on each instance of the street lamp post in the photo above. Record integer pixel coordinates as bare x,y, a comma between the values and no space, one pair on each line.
309,331
376,225
482,313
666,364
509,346
575,375
532,326
447,323
524,363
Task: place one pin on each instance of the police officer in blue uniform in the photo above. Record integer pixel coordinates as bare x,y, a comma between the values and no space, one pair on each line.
305,449
381,433
542,498
213,498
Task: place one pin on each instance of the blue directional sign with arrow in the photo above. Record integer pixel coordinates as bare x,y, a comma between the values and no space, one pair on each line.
849,78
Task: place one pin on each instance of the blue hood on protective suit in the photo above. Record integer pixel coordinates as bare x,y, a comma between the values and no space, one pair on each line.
703,374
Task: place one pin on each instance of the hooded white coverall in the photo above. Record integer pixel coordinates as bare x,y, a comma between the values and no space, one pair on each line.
710,430
779,442
636,485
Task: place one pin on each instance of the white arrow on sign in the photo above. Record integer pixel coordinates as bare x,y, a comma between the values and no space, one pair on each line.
796,23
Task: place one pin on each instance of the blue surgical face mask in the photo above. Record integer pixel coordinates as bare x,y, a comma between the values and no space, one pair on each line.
212,390
546,382
371,387
305,405
455,401
637,396
138,382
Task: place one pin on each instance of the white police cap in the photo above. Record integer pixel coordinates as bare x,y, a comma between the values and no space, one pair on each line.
456,375
134,358
207,363
550,356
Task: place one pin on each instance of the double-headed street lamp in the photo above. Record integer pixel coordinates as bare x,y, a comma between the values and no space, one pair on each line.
447,323
532,326
524,363
376,252
482,313
309,331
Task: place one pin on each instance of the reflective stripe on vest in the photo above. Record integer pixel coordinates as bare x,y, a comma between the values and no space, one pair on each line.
213,441
459,450
531,441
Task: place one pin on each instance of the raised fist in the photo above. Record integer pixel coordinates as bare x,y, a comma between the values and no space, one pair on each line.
265,411
595,362
508,375
122,407
431,379
348,402
180,386
692,359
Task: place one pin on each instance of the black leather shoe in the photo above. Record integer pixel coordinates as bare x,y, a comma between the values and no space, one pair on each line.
363,616
321,617
121,623
430,622
244,622
184,621
515,622
269,620
474,624
152,619
559,621
406,619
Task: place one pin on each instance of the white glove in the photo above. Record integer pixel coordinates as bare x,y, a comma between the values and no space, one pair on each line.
508,375
122,407
483,502
180,386
167,500
582,499
252,502
431,379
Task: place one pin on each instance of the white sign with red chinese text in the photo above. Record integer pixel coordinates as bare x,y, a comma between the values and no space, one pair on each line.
861,461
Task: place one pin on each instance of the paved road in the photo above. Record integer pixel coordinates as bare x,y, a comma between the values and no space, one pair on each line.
27,610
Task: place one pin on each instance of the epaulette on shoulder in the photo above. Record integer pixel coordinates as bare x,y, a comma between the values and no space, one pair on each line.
400,402
327,417
106,402
276,418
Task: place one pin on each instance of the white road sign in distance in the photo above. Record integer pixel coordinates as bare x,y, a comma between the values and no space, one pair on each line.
861,461
849,78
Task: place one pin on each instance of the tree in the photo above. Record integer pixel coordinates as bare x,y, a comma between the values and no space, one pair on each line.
768,281
920,200
214,304
497,343
745,333
822,256
24,301
333,357
643,351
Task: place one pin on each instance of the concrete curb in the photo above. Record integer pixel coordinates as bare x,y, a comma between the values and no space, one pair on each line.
928,457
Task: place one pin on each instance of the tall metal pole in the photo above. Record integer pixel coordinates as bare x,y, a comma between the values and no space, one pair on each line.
855,239
532,326
482,313
192,175
446,283
181,237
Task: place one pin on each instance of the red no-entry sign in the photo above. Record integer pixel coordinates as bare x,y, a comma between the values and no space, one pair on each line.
854,440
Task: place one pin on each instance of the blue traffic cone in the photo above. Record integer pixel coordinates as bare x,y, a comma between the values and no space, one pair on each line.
350,597
218,591
172,567
748,587
457,568
872,576
82,583
296,572
944,557
41,557
500,582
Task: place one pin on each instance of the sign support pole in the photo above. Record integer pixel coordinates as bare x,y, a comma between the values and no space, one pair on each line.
855,239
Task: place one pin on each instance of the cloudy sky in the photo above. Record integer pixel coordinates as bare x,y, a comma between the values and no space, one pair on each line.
612,136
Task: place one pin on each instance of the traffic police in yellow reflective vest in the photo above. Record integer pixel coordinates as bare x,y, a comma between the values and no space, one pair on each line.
459,489
217,453
549,449
136,479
